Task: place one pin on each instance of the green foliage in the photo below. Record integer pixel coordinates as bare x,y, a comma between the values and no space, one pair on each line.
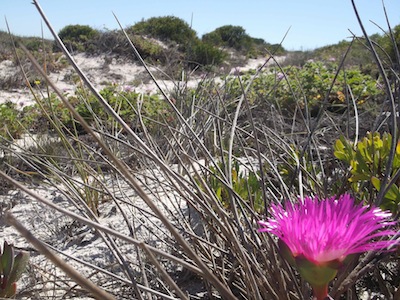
230,36
132,107
390,43
115,42
13,120
205,54
275,49
36,44
147,48
9,117
167,28
236,37
11,268
309,85
358,55
246,186
48,110
136,109
78,37
6,47
367,162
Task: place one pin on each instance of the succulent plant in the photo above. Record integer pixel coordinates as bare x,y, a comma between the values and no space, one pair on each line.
12,265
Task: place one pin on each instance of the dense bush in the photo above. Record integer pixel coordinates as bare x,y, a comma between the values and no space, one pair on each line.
136,109
5,45
14,121
204,54
33,44
367,161
357,53
260,47
78,37
173,29
235,37
167,28
133,107
115,42
389,41
229,36
148,48
308,86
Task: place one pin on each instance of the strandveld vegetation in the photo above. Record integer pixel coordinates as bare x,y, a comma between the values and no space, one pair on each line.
165,191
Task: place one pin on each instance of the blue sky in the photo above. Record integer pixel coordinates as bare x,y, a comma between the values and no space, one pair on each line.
311,23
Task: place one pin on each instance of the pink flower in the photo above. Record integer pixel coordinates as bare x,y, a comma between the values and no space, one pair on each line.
317,236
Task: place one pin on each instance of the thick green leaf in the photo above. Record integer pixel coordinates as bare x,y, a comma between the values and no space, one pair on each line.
218,193
343,150
376,183
392,194
7,259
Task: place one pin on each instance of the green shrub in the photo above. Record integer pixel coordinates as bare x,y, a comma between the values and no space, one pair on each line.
309,85
230,36
367,162
261,47
39,117
357,53
13,121
390,43
236,37
167,28
5,45
148,48
206,54
35,44
129,105
58,112
78,37
114,41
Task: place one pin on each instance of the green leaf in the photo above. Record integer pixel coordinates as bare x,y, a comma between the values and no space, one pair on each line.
361,163
392,194
376,183
7,259
343,150
218,193
20,262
